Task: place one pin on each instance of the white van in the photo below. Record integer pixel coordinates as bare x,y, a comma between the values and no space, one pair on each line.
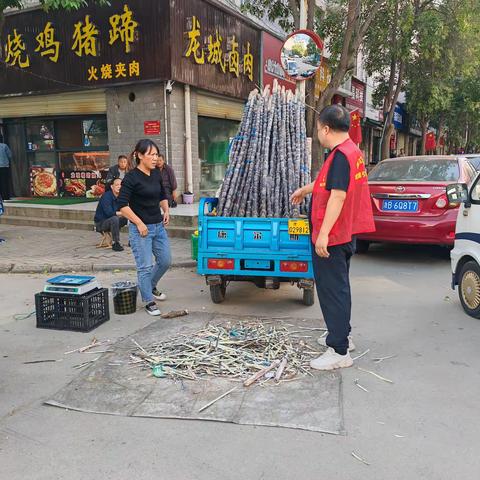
292,68
466,252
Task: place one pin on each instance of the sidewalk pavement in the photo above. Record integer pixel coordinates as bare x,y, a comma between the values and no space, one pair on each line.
34,250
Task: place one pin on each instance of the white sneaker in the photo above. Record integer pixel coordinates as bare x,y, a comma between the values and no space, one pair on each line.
152,309
331,360
159,295
323,342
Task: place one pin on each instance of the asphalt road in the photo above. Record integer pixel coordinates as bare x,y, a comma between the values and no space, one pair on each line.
422,426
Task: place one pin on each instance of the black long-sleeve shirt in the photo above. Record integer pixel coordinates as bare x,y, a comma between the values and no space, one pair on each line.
143,194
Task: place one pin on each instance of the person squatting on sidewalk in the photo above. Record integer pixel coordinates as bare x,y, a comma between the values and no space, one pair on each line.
340,209
139,200
108,218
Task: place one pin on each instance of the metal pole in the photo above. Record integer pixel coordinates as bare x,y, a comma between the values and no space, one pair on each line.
165,118
303,25
188,142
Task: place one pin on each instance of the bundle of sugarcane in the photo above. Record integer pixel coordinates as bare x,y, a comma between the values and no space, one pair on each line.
233,351
268,158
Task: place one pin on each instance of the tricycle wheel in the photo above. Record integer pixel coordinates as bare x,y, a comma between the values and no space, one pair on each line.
308,296
217,292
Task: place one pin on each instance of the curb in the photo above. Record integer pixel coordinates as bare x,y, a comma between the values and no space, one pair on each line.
101,267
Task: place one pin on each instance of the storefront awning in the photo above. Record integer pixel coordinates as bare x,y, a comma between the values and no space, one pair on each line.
369,122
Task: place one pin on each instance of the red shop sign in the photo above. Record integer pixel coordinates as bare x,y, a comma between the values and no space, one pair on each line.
272,69
357,100
151,127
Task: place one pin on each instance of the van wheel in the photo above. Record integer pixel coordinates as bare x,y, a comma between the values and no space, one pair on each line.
469,289
308,296
362,246
217,292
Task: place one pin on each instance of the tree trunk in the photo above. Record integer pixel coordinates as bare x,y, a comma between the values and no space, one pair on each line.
424,124
317,154
386,142
388,116
294,7
355,31
441,128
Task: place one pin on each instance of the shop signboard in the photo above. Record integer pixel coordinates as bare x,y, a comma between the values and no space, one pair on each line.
196,43
272,68
357,100
90,47
415,127
151,127
322,78
214,49
399,118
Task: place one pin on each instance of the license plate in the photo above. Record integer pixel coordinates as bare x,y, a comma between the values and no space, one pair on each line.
298,227
400,205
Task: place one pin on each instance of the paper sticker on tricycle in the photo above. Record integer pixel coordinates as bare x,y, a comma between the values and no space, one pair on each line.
298,227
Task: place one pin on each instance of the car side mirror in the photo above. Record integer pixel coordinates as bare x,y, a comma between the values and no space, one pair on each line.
458,193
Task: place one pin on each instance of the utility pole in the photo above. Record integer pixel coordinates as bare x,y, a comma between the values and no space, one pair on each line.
303,26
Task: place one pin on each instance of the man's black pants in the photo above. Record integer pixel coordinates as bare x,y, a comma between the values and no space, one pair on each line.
112,225
333,289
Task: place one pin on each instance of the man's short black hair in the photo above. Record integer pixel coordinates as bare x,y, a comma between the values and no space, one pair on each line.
122,156
336,117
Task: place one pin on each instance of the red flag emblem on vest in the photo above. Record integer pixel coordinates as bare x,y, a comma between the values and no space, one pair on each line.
355,131
430,143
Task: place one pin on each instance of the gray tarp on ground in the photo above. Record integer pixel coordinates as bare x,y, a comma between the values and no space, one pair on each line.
112,386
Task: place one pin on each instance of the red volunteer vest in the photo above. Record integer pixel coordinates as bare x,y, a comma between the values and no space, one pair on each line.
356,215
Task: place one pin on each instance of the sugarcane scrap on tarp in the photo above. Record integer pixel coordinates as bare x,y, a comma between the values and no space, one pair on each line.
218,398
260,374
243,352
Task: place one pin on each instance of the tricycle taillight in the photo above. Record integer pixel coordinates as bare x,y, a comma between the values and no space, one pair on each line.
221,263
293,266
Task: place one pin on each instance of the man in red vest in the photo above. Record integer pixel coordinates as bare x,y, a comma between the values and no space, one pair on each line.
340,209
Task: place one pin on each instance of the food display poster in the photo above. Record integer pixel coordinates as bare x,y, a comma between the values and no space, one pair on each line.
83,183
43,182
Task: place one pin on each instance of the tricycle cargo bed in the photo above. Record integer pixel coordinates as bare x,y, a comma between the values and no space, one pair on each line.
250,246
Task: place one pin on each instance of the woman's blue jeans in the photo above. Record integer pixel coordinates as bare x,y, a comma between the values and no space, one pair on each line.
155,244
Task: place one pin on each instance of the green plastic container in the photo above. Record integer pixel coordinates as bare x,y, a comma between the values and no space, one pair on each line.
195,245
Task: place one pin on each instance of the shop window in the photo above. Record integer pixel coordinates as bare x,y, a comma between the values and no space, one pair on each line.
43,159
214,137
69,133
40,136
84,160
95,133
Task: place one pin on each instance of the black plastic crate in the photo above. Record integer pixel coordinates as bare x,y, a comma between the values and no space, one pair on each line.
80,313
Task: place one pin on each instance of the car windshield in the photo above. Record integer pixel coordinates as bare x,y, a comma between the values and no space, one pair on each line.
475,161
416,170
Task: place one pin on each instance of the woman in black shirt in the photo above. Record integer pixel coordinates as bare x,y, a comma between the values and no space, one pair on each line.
139,200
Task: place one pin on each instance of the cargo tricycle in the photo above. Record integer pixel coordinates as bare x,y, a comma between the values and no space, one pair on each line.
264,251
